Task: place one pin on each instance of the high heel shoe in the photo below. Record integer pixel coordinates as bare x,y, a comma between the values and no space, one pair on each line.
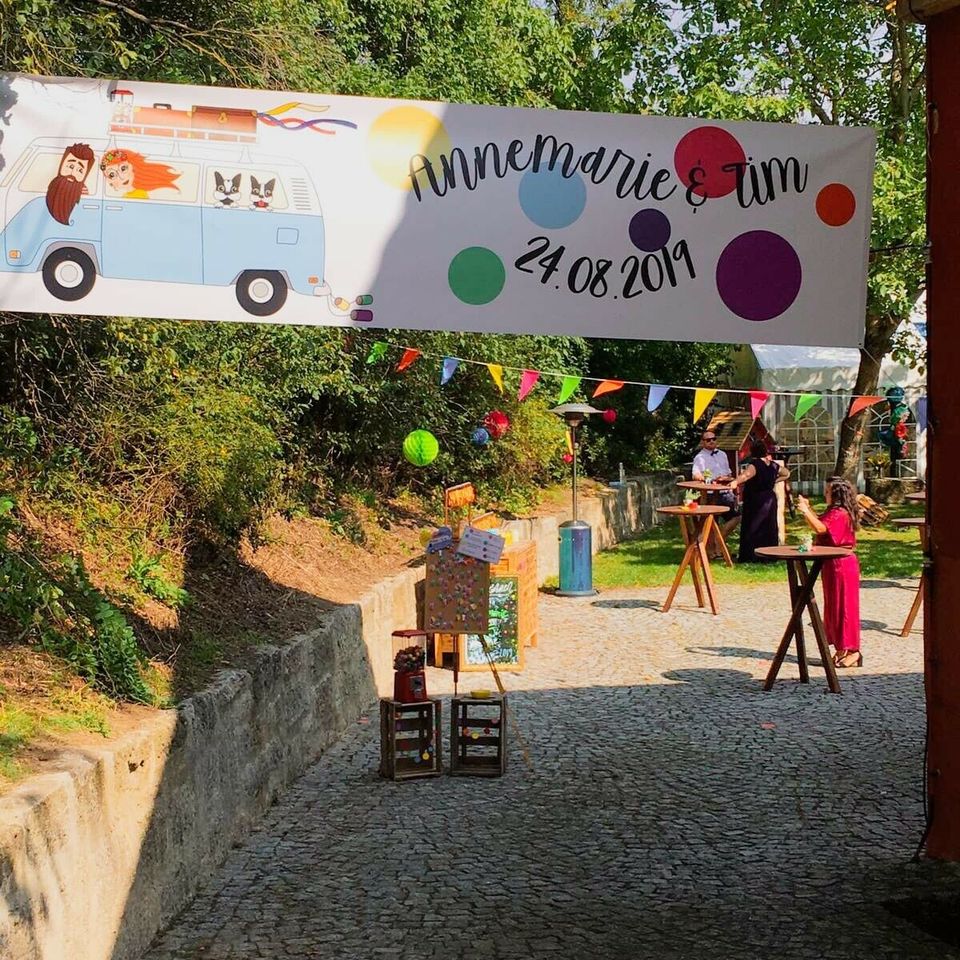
852,658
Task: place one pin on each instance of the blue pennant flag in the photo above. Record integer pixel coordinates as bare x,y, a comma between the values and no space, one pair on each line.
450,365
657,393
920,412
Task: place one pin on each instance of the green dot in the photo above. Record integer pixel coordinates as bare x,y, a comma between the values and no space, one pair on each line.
476,275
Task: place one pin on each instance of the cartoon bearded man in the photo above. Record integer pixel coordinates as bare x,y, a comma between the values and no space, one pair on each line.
64,191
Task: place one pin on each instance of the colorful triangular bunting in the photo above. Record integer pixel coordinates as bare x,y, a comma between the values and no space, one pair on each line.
607,386
859,404
568,388
701,400
527,379
410,354
656,395
757,399
496,371
377,352
450,365
806,402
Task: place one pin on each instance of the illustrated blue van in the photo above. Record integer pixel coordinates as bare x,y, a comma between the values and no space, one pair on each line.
251,222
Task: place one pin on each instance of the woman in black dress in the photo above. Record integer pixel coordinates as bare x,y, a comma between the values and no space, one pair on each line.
759,525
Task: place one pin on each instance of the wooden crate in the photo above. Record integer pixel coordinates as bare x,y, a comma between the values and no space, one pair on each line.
408,732
478,736
520,560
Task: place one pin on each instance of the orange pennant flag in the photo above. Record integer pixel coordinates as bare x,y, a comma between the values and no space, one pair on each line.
857,404
607,386
409,355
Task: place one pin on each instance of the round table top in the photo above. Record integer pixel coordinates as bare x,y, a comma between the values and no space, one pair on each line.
920,495
701,511
792,553
909,521
702,485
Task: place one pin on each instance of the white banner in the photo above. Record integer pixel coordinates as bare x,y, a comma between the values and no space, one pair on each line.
157,200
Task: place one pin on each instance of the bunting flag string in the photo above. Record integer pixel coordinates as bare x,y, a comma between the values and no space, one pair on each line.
570,383
496,371
527,380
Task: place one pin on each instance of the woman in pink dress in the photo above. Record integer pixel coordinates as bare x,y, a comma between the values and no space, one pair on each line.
841,577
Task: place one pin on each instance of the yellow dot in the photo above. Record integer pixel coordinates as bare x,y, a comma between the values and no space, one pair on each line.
399,134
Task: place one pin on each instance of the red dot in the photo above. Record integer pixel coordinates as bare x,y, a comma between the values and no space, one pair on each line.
836,204
710,149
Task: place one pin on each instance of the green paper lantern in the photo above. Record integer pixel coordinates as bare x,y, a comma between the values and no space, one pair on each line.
420,447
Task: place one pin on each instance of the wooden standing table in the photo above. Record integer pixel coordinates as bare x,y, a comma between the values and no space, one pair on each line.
921,524
717,533
802,582
696,526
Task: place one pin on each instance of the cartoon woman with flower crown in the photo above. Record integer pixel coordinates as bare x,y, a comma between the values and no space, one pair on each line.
130,175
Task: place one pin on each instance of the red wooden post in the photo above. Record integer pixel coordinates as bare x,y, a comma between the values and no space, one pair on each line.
942,609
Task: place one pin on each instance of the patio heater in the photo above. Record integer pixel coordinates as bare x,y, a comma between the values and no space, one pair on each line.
576,557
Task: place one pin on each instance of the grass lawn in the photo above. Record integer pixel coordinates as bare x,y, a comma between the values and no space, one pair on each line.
886,552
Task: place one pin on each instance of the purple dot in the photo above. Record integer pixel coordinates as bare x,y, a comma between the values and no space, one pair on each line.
759,275
649,230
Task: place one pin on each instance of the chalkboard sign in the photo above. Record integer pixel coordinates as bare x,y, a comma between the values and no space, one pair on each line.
502,637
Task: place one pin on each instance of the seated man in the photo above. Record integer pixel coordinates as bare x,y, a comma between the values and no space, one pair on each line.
711,459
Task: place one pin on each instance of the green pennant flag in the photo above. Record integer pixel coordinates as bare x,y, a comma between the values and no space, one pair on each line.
568,388
806,401
377,352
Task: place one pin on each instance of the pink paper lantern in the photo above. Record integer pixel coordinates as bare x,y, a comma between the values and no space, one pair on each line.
609,415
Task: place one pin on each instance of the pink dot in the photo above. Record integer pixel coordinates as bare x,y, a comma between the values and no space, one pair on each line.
701,156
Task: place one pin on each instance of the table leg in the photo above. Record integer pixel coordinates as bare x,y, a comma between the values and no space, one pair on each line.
690,537
793,576
914,608
806,584
724,549
688,555
702,540
829,668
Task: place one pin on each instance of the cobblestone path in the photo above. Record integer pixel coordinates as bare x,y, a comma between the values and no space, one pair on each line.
669,809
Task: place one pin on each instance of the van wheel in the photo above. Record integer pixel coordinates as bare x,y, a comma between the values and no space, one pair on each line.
69,273
261,292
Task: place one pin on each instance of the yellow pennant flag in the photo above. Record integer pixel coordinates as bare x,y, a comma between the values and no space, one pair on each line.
701,400
569,443
496,371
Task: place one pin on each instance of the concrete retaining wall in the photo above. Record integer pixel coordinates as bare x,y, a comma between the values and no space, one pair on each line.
99,856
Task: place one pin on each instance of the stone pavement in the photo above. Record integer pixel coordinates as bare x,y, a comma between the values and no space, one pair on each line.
669,809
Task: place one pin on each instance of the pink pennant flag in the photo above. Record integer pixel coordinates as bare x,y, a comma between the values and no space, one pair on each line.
757,399
527,379
857,404
607,386
409,355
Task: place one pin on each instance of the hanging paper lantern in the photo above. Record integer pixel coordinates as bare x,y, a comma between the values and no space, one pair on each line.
568,458
420,447
609,415
480,437
496,423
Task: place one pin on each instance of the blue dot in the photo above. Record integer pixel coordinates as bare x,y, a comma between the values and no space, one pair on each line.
551,200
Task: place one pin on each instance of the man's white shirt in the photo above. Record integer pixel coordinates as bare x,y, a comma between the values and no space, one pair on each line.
713,460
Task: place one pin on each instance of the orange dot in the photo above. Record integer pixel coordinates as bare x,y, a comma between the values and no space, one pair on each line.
836,204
